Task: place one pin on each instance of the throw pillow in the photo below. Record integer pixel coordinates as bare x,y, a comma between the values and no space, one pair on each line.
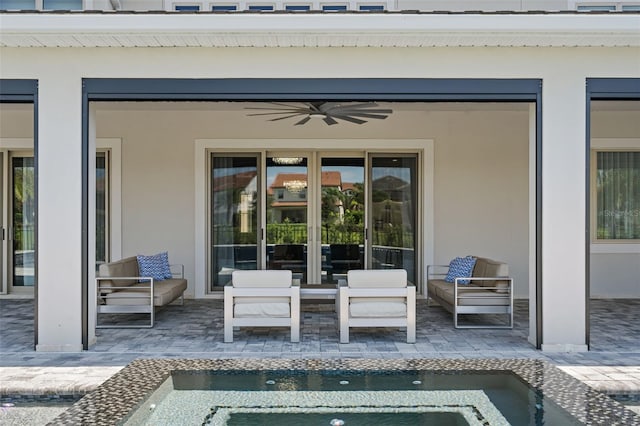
460,267
156,266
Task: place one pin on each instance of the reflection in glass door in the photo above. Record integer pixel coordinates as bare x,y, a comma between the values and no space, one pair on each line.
102,208
393,211
287,215
234,216
342,217
23,221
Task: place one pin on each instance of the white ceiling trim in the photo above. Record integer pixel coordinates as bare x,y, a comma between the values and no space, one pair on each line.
318,30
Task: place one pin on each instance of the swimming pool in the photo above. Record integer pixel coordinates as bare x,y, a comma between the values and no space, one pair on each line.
457,392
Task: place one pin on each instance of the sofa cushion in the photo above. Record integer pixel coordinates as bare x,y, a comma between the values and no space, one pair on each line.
377,278
155,266
262,278
460,267
491,268
376,309
127,267
261,310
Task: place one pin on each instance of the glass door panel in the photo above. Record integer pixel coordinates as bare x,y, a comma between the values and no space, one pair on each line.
23,221
393,201
342,217
234,216
287,214
102,209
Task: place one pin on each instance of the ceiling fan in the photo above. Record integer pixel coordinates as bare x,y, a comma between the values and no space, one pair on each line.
329,112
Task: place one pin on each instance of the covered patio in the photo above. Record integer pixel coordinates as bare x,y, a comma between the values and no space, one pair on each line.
195,330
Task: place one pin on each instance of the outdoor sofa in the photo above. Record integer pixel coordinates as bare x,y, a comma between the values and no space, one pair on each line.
489,291
122,290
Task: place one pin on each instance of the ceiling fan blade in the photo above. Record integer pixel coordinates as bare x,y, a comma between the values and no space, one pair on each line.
350,119
286,105
330,121
276,113
303,121
366,115
360,105
326,106
285,117
371,106
374,111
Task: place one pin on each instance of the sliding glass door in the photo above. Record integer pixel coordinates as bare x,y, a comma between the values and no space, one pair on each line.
102,208
287,214
341,217
234,215
393,212
317,214
23,221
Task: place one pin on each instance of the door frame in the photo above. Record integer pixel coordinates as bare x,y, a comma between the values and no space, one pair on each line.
10,148
9,212
204,148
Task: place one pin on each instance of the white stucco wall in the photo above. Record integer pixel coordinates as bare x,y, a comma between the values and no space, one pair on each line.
563,71
480,158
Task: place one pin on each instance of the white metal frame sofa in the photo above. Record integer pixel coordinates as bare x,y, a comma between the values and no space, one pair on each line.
121,290
262,298
490,291
377,298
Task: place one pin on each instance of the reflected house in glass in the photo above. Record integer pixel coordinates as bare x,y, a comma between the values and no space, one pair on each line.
234,210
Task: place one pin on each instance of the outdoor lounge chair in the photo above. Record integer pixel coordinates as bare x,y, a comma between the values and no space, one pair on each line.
377,298
262,298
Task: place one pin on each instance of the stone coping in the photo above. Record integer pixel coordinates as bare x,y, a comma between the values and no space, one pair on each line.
112,402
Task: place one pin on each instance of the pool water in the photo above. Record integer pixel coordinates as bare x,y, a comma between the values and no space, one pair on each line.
377,419
21,413
293,397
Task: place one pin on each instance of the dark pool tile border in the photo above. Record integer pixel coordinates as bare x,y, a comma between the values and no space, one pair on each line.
111,402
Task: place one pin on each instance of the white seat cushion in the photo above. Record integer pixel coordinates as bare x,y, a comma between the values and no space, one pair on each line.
378,309
261,310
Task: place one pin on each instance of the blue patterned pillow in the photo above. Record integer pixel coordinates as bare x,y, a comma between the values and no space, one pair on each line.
460,267
156,266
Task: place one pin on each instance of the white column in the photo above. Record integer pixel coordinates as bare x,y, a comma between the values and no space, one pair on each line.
59,213
563,215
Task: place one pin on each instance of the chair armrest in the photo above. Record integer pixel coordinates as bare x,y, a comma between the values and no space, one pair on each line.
177,270
261,292
508,280
106,295
144,280
496,291
436,271
376,292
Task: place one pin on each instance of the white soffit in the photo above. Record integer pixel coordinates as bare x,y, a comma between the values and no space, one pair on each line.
318,30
